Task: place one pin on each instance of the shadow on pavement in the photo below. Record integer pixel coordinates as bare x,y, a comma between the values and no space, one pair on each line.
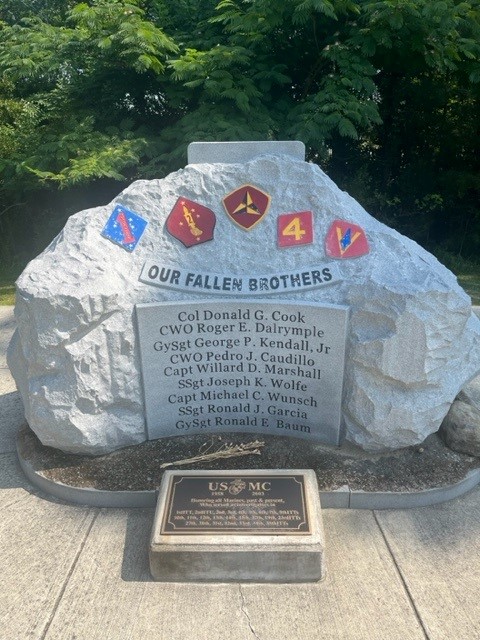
135,564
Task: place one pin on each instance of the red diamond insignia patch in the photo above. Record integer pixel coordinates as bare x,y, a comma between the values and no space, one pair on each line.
346,240
246,206
295,229
191,223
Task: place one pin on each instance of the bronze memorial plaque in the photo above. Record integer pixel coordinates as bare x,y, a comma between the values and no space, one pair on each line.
253,504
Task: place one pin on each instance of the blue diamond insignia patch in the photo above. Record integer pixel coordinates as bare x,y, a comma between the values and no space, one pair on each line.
124,227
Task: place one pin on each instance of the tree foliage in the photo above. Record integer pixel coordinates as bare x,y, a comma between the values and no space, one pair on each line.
383,92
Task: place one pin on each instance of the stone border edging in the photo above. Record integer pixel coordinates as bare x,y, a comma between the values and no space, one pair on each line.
86,496
343,498
347,499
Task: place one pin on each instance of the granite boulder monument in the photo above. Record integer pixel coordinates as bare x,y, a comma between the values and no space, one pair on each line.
145,314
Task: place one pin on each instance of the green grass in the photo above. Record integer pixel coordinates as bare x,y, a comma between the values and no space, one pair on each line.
471,283
7,294
467,272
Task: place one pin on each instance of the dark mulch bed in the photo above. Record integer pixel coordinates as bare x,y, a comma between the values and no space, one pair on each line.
137,468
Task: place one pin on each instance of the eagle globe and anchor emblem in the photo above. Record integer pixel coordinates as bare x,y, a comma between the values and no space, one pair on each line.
236,487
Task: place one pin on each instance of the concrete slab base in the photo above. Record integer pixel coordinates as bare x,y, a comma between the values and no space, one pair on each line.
202,518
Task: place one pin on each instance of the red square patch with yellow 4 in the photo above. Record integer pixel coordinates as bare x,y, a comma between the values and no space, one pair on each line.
295,229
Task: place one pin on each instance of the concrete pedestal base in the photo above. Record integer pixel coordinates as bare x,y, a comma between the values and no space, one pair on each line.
239,554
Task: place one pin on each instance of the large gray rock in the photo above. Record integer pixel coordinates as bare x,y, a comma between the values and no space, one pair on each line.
413,341
461,427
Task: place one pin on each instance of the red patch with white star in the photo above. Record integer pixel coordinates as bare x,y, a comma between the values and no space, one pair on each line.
191,223
246,206
346,240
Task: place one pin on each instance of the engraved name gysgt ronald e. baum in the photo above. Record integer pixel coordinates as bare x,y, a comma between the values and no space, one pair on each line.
252,366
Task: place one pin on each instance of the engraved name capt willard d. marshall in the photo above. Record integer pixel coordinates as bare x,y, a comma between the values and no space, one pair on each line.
259,366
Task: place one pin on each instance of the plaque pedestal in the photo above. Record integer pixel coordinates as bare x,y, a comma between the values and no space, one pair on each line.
238,526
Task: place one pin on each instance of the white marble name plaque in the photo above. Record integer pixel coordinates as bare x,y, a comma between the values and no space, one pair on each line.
160,275
262,367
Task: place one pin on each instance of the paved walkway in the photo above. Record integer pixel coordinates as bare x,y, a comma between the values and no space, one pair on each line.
70,572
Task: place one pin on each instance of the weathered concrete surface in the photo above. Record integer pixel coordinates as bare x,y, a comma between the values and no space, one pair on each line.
11,410
12,482
112,584
113,578
437,550
413,341
39,543
12,414
399,574
360,579
7,327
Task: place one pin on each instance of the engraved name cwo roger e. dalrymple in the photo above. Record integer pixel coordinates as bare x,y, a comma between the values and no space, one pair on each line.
260,367
252,366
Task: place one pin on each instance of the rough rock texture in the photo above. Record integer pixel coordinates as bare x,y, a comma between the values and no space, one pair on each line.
461,427
413,341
